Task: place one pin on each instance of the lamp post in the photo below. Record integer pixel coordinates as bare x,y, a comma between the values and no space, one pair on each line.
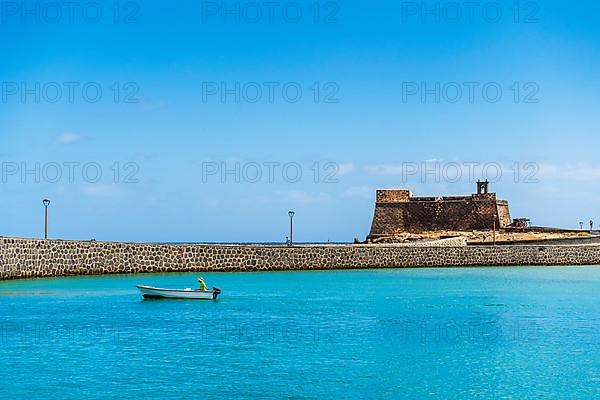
46,203
495,216
291,214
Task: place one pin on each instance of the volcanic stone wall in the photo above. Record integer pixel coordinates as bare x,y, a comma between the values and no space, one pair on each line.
392,195
396,213
31,258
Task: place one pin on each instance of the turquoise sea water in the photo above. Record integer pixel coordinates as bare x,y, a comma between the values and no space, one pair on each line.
412,333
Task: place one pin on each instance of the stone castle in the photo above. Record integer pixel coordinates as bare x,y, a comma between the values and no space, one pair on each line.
398,211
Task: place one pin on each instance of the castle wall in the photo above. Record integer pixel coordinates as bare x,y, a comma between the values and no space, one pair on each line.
34,258
393,195
503,214
419,214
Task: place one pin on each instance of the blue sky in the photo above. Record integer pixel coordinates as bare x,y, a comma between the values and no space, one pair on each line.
355,63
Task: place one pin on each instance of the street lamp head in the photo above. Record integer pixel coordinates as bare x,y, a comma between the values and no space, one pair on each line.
46,202
291,213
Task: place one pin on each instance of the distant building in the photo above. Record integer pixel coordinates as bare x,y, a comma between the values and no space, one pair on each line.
398,211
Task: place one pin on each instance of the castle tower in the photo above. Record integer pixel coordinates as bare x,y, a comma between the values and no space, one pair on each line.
482,187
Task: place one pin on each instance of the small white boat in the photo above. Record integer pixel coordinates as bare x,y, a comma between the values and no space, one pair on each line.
150,292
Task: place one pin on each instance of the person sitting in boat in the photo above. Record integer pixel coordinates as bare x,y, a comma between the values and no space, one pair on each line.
202,284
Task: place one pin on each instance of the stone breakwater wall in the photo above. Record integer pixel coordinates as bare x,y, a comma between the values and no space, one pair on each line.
32,258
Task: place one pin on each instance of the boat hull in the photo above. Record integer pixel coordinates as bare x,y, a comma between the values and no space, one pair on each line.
149,292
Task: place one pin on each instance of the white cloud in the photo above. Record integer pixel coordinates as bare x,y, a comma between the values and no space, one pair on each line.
385,169
525,172
361,192
344,169
575,172
68,138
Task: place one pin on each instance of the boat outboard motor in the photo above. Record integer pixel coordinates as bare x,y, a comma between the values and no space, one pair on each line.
216,292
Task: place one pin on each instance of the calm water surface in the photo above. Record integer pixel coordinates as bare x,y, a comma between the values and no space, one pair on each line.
411,333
